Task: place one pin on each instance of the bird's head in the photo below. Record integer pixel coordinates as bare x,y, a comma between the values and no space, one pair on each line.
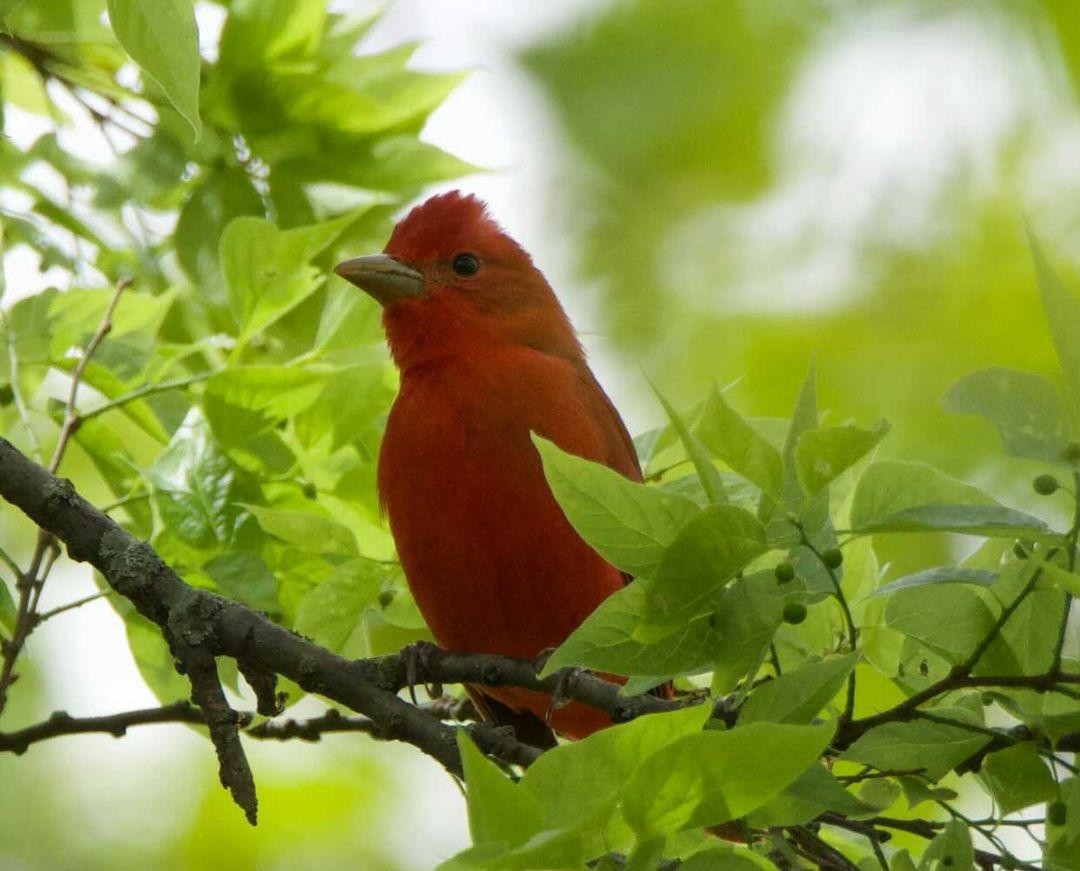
450,280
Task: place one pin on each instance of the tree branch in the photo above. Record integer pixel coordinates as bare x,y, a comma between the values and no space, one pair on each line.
61,724
200,624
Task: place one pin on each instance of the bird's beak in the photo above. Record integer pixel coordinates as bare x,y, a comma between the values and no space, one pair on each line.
383,277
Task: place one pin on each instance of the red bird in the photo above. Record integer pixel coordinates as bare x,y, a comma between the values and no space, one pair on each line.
487,355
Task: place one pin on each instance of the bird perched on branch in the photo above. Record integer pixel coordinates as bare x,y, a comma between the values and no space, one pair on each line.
487,356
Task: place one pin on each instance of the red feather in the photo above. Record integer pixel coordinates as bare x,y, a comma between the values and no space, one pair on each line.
491,560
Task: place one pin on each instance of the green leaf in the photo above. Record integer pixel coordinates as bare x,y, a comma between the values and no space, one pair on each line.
629,524
579,785
909,497
221,195
712,777
267,271
986,520
703,465
902,861
162,38
746,617
331,612
280,391
196,488
1063,315
1059,577
916,791
306,529
8,611
7,6
726,858
1017,778
610,640
245,578
709,550
823,454
804,418
499,812
950,619
814,792
1071,794
271,30
726,433
888,487
918,745
879,793
938,575
1026,409
797,696
951,849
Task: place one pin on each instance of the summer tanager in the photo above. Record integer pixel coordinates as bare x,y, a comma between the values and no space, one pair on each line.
487,356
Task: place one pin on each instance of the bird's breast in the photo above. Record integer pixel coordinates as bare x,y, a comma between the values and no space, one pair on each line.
491,560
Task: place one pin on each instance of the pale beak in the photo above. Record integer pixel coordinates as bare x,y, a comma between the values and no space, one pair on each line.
382,277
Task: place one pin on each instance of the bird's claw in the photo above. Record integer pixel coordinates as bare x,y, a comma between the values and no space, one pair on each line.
417,657
560,695
542,658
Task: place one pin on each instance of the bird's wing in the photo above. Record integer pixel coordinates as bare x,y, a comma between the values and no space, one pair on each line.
619,447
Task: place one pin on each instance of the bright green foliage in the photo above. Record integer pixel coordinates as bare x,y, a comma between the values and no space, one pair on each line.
709,599
951,849
730,438
1017,777
597,500
1026,409
161,38
712,776
799,695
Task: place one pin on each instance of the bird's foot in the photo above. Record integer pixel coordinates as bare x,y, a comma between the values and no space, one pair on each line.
418,660
560,695
542,657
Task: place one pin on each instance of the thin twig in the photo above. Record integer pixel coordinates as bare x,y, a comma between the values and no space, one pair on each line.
143,392
46,551
7,560
852,630
71,606
71,415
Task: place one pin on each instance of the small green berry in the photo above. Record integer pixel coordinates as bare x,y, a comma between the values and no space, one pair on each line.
784,572
832,557
794,613
1045,484
1056,813
385,598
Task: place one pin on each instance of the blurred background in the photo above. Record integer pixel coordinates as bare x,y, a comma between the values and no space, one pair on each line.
719,192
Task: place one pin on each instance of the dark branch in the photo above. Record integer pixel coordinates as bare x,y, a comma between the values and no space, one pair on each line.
61,723
198,624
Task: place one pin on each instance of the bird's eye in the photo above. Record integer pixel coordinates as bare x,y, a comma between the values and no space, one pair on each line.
466,264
